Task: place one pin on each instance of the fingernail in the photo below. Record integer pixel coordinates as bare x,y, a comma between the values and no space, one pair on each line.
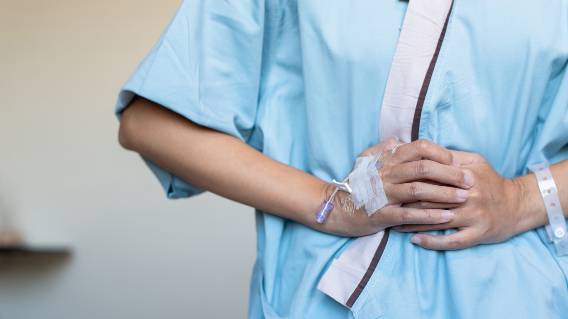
462,195
416,240
447,215
468,178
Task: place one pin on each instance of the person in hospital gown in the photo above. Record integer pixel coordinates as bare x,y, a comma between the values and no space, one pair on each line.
303,81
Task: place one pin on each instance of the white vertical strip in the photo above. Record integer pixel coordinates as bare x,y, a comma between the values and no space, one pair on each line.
423,24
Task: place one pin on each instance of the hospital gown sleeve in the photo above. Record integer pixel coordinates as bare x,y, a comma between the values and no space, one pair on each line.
551,134
205,67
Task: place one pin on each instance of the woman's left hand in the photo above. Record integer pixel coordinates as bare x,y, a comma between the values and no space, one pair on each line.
491,214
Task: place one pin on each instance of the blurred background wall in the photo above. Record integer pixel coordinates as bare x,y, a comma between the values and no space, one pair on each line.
64,178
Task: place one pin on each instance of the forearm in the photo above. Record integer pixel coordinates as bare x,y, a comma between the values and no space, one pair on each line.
222,164
219,163
531,205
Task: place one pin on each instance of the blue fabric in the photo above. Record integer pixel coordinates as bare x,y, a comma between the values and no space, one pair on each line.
302,81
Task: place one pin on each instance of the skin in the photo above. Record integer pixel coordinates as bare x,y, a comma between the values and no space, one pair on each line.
497,209
428,186
199,156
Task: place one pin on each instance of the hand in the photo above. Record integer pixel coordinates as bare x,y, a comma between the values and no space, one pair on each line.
421,172
409,176
490,215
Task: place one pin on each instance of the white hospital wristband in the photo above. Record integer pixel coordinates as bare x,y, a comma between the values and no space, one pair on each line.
556,229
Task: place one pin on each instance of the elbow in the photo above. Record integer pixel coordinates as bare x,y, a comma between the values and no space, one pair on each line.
127,130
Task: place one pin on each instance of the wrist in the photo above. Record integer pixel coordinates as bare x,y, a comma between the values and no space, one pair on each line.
318,196
343,219
527,203
334,222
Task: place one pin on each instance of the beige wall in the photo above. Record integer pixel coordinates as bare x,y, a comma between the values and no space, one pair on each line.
64,178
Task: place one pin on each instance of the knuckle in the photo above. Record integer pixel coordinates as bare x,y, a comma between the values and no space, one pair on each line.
422,169
451,157
455,243
427,242
455,193
406,216
415,191
386,171
460,175
423,145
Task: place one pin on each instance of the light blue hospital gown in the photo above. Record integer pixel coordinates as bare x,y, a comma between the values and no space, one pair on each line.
302,81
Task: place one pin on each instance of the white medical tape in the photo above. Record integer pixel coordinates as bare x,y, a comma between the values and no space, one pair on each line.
556,229
367,185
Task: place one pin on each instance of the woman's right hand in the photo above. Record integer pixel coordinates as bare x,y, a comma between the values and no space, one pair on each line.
421,182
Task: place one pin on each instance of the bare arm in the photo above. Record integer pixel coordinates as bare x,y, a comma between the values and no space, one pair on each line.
226,166
219,162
